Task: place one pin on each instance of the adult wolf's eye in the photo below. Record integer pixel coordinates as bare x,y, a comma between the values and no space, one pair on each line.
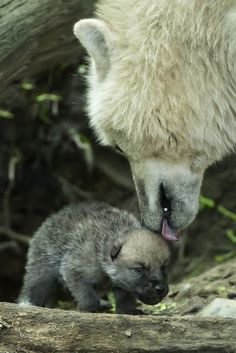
118,149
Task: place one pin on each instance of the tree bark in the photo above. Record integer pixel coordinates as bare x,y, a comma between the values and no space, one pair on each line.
36,35
32,330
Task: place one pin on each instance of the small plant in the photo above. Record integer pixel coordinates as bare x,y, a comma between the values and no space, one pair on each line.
84,144
27,85
206,202
50,97
6,114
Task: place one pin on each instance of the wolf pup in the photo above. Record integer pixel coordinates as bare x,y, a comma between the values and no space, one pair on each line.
92,248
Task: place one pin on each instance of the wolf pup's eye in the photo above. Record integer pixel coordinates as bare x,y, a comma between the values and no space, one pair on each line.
118,149
164,269
139,268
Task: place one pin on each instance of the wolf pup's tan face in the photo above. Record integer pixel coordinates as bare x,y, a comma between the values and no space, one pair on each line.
139,265
162,88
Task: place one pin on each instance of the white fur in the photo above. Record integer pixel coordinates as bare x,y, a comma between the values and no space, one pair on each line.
24,303
172,79
182,186
169,93
97,38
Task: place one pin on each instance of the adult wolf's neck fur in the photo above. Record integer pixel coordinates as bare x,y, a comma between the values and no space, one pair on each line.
184,52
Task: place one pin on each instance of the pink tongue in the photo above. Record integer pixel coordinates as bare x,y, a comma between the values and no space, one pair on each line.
168,233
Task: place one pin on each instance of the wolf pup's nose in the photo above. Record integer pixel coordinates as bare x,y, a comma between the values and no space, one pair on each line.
161,290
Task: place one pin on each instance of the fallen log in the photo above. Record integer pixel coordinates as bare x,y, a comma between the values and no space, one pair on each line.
37,35
31,330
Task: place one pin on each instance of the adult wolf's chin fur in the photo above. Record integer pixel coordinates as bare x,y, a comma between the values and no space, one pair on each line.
162,86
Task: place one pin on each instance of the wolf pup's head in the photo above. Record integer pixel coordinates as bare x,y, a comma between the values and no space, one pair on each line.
162,86
139,265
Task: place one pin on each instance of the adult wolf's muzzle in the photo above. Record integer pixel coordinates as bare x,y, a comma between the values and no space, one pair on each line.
168,196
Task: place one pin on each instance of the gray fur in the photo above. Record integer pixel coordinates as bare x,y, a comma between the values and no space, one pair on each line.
91,248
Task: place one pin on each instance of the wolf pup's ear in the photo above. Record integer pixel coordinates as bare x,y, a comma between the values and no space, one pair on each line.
97,39
115,251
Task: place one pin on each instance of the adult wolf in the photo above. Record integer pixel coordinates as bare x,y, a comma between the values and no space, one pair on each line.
162,88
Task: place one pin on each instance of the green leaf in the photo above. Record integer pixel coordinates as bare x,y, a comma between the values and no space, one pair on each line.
206,202
163,306
84,144
84,138
225,257
227,213
26,85
82,69
222,290
5,114
111,300
51,97
230,234
65,305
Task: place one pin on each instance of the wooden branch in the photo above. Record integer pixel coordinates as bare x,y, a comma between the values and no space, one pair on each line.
37,35
32,330
23,238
